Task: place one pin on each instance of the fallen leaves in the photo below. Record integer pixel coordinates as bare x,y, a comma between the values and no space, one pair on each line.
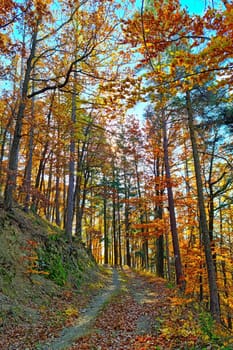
143,315
48,317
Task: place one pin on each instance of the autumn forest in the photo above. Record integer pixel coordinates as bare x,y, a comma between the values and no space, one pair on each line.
116,125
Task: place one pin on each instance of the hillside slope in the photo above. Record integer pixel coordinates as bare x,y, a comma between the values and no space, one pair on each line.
41,278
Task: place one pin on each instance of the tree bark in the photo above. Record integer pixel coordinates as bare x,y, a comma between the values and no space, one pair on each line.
214,299
14,151
105,224
70,194
175,241
158,214
127,223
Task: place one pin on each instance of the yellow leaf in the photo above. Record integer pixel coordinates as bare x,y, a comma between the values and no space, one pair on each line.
71,311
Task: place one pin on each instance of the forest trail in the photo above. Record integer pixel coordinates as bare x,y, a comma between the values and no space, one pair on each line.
136,318
131,311
85,321
136,312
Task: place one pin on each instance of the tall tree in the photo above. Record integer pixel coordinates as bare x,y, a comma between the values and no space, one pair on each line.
214,299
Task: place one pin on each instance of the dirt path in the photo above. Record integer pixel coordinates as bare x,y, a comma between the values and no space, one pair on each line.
123,316
84,323
132,320
146,315
134,311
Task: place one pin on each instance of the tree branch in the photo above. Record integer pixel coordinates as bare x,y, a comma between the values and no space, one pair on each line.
67,77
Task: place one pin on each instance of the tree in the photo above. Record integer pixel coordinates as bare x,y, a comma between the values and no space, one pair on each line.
214,300
14,152
47,43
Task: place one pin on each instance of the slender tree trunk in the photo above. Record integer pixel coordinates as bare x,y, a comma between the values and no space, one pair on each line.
64,196
105,225
160,248
158,214
145,260
178,265
28,171
57,195
78,200
70,194
145,257
119,229
224,271
48,209
214,299
115,240
169,275
127,223
80,195
3,147
14,151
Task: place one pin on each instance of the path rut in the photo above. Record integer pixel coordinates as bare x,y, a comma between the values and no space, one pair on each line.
86,320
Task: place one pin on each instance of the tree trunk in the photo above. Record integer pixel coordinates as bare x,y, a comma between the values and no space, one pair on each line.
105,225
127,223
158,214
77,201
70,194
57,195
214,299
114,230
28,171
2,153
14,151
48,209
119,228
176,248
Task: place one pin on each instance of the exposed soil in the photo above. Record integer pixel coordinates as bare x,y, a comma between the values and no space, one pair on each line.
144,315
83,325
130,311
129,321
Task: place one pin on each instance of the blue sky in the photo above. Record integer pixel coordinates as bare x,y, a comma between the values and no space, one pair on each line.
194,6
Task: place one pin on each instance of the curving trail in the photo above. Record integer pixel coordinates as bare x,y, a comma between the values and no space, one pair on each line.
135,311
131,321
87,318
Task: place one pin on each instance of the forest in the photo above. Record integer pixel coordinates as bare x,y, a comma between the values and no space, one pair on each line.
116,125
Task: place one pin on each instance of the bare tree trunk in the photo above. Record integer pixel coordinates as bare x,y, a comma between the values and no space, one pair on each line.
14,152
28,171
127,223
48,209
160,248
105,225
3,143
214,299
70,194
224,271
158,213
57,195
119,228
114,230
176,248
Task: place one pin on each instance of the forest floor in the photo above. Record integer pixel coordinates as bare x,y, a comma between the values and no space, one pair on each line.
128,310
55,298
